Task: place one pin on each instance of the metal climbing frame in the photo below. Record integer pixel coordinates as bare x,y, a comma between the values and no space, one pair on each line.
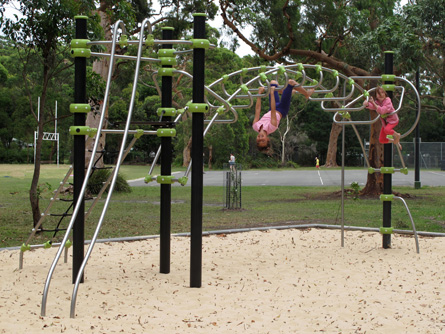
122,154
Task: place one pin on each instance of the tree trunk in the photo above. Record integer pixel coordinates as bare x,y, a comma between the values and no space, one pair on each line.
374,183
100,66
34,196
210,156
186,153
331,157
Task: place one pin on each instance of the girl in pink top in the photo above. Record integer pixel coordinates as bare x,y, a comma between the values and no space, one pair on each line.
278,109
384,106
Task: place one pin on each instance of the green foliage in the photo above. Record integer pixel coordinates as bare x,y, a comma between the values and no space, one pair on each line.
355,192
100,176
43,188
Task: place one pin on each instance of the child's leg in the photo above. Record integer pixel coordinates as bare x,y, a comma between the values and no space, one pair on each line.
276,95
382,137
306,93
284,105
383,133
390,130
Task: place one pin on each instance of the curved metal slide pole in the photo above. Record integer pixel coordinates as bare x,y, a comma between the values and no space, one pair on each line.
90,165
412,222
116,171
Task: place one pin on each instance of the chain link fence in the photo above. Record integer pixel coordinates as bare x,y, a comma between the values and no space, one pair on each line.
432,155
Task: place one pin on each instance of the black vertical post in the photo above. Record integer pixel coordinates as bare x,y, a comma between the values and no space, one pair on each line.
197,158
387,162
417,184
79,153
166,161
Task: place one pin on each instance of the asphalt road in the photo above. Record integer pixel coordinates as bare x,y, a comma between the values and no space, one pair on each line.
322,177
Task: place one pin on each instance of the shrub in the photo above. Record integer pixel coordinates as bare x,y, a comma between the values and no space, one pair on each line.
100,176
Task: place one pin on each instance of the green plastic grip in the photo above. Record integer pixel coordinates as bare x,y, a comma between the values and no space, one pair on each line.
166,72
164,179
387,198
200,43
82,131
389,88
80,108
386,230
166,52
166,132
168,61
389,77
166,111
198,107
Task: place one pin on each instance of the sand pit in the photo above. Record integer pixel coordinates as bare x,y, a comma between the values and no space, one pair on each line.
279,281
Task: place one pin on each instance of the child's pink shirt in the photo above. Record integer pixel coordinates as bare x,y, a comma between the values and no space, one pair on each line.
265,122
383,108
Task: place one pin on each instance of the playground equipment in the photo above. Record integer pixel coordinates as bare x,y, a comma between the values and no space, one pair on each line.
80,50
217,102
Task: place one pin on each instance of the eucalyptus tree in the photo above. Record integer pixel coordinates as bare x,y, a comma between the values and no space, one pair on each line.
175,14
38,33
426,17
348,36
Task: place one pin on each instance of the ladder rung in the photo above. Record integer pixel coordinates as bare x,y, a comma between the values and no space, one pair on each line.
60,215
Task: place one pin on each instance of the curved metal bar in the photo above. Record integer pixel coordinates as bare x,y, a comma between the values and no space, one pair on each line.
116,171
355,122
412,222
225,102
88,172
418,108
98,54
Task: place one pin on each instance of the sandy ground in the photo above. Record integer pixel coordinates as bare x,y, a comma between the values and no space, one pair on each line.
279,281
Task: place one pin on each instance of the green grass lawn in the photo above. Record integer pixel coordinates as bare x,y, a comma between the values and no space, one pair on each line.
137,213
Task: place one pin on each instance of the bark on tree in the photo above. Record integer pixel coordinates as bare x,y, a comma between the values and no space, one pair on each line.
331,156
100,66
186,153
34,195
374,183
210,156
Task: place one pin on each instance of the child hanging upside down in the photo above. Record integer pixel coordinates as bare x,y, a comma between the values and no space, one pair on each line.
277,110
384,106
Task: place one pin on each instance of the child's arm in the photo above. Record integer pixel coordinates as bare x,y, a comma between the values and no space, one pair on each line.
370,104
273,111
258,106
